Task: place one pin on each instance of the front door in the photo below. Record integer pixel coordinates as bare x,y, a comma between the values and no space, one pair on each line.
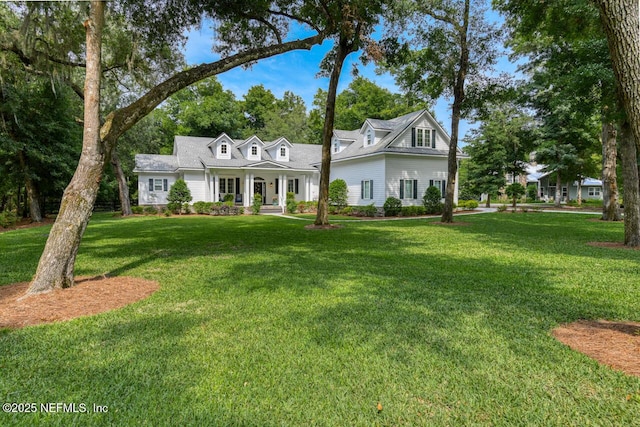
259,187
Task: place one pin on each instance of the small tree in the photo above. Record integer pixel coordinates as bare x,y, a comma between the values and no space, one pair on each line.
431,200
338,193
292,205
179,194
515,191
532,192
257,203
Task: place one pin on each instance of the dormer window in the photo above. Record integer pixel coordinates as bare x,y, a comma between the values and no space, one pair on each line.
370,136
223,149
424,138
336,147
283,151
254,149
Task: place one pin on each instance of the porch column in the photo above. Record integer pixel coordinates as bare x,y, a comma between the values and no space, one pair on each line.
252,184
216,188
248,197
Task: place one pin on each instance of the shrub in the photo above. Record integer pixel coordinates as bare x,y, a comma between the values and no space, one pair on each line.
202,207
138,210
229,198
338,193
392,206
413,210
347,210
302,207
174,207
311,206
368,210
8,219
166,212
179,194
186,208
468,205
532,192
431,200
502,208
150,210
291,203
257,203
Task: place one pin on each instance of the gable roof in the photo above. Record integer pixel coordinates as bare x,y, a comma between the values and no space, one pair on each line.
395,127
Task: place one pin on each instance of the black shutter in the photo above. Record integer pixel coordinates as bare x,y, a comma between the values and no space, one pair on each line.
297,185
150,184
433,138
402,188
362,189
413,137
415,188
430,183
277,185
165,184
371,189
444,187
237,185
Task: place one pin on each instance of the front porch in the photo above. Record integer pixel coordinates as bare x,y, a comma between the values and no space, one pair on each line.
242,185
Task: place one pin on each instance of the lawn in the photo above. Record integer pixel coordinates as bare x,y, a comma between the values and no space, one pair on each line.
260,322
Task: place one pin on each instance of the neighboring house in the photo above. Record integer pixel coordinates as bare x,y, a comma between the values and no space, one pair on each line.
590,188
384,158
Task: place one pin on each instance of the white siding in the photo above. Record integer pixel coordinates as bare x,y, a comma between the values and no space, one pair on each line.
146,195
412,167
356,171
196,182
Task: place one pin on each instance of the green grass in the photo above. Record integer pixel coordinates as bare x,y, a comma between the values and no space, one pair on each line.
260,322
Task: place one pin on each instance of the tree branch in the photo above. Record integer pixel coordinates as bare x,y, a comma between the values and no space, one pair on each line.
119,121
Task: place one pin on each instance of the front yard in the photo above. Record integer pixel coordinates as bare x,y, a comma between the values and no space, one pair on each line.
261,322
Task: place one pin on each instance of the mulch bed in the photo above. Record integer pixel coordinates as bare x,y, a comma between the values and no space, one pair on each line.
615,344
89,296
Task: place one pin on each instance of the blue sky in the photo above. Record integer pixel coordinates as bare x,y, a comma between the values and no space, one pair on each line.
296,72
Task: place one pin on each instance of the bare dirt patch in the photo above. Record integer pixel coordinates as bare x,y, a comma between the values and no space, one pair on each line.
322,227
612,245
27,223
91,295
615,344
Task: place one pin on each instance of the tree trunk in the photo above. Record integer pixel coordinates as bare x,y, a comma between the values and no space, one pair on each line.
123,188
32,193
610,205
56,266
631,184
621,22
456,112
344,49
558,197
488,204
579,197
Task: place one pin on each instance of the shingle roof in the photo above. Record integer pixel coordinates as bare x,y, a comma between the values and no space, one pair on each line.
155,163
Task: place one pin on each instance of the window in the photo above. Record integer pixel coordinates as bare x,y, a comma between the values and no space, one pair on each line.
336,147
366,189
439,184
408,188
223,149
158,184
421,137
564,191
230,182
594,191
293,186
370,137
223,185
254,149
283,151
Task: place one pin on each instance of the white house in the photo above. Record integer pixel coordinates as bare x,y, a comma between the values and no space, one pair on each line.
384,158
